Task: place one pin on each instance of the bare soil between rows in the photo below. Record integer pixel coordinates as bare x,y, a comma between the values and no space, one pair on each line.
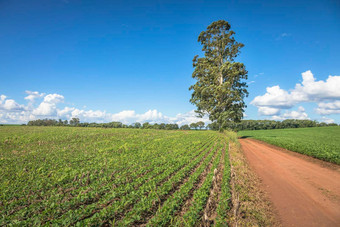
305,191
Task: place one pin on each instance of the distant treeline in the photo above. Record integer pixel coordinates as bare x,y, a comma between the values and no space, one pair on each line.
243,125
269,124
146,125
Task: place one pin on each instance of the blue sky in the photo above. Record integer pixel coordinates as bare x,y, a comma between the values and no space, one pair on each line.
132,60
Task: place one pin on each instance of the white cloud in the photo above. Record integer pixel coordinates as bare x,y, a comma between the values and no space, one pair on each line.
9,104
188,118
327,120
312,90
327,108
295,114
32,95
275,97
151,116
12,112
49,106
325,93
66,112
54,98
268,111
90,115
2,98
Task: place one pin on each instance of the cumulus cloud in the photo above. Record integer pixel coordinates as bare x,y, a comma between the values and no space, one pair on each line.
188,118
274,97
53,98
2,98
49,106
32,95
9,104
12,112
299,114
295,114
317,90
325,93
327,108
268,111
327,120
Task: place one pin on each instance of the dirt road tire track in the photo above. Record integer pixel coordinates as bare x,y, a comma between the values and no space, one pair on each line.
305,193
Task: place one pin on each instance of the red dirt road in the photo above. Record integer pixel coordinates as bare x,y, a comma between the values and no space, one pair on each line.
304,192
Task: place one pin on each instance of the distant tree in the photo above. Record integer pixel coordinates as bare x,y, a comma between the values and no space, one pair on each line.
116,124
171,126
85,124
193,125
220,89
155,126
65,122
162,126
200,124
213,126
60,122
74,121
93,124
185,127
137,125
146,125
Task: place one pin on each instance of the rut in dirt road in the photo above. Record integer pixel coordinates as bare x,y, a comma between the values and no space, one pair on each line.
304,192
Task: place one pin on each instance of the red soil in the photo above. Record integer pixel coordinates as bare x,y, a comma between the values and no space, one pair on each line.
305,192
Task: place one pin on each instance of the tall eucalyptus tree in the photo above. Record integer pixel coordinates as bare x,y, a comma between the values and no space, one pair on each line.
220,88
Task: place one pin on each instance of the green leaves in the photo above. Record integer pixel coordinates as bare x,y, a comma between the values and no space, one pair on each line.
220,86
84,176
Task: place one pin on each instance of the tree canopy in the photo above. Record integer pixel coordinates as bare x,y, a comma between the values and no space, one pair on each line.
243,125
220,88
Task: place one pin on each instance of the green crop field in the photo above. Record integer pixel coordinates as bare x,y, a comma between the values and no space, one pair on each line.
94,176
319,142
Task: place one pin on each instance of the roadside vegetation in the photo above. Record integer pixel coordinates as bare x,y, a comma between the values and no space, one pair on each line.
251,205
321,143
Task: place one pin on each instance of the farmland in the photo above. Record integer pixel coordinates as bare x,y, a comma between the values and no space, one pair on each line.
319,142
94,176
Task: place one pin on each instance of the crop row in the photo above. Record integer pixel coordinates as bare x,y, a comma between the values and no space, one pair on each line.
165,214
148,193
88,195
75,176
